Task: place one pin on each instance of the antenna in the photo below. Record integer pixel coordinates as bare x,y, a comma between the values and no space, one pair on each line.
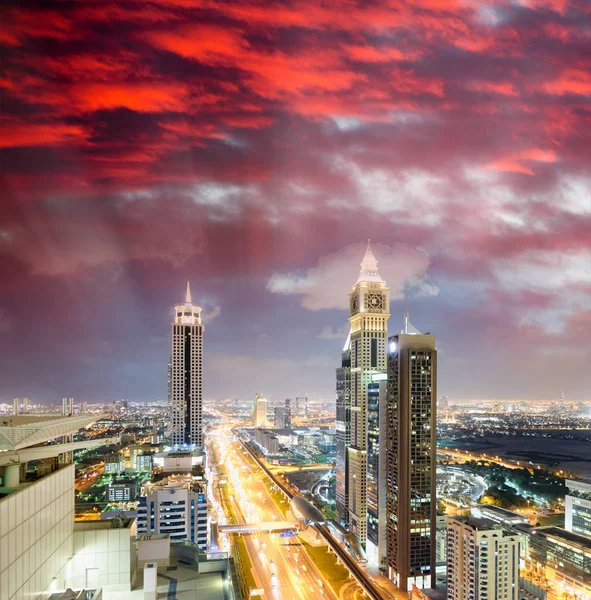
406,313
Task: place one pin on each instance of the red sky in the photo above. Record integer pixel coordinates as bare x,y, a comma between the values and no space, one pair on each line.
253,147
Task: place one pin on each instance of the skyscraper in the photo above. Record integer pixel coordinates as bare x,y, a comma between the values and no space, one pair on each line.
411,458
343,434
376,469
185,389
369,309
259,413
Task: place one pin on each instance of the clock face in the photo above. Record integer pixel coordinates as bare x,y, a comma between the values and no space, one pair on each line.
353,304
374,301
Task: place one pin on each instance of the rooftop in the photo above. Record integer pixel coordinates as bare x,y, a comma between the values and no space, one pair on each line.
563,534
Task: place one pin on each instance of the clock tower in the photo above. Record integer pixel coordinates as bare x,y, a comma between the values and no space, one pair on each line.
369,310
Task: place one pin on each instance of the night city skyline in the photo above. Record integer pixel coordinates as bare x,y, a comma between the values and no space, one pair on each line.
253,150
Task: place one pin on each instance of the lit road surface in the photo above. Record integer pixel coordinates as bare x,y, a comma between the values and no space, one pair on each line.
281,566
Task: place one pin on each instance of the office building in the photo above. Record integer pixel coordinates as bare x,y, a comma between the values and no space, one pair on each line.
578,507
376,470
144,462
281,417
114,463
559,560
411,458
185,385
177,506
259,413
123,490
369,306
482,561
343,435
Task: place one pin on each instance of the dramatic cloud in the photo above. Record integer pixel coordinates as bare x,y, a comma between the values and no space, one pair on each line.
252,147
328,284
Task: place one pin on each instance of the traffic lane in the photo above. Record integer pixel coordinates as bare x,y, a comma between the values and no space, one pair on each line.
305,570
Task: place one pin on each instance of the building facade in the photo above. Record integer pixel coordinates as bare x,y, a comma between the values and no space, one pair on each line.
482,561
177,505
343,435
411,458
578,507
376,470
369,310
185,385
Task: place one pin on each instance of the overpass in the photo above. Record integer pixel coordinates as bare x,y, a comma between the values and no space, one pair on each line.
371,589
266,527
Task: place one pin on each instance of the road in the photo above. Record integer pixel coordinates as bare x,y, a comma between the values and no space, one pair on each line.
281,566
375,584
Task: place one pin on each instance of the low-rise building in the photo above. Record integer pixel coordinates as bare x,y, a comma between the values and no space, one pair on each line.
499,515
114,463
144,462
559,560
267,440
123,490
578,507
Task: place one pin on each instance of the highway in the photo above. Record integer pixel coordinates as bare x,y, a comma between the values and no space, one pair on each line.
371,589
281,566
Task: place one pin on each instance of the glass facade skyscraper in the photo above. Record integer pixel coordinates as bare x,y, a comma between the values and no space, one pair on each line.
411,458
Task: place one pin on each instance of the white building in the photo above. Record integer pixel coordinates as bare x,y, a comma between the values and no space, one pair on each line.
369,309
185,385
37,519
177,505
259,415
482,561
578,507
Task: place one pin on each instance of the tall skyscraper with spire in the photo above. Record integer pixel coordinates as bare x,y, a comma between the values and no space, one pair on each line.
369,309
185,385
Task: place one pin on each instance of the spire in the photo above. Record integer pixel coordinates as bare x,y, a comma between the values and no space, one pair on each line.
369,266
408,326
188,294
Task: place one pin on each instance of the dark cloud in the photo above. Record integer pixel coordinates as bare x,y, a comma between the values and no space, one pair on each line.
144,143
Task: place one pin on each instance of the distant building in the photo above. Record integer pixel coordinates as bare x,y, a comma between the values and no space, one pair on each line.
123,490
411,434
376,470
578,507
267,440
482,561
281,417
499,515
185,384
287,412
114,463
259,413
144,462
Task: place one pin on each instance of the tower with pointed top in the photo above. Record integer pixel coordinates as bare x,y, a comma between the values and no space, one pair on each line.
369,310
185,376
